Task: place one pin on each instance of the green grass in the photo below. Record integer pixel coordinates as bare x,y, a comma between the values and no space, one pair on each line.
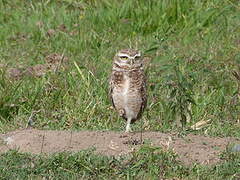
194,47
87,165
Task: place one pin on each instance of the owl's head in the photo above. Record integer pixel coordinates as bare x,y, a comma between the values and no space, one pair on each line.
128,59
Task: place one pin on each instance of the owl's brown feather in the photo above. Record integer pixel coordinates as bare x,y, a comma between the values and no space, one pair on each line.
137,89
115,80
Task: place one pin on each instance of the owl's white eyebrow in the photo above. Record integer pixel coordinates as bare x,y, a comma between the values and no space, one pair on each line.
137,55
122,55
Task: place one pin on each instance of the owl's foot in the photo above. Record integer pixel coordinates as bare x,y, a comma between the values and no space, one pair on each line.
128,128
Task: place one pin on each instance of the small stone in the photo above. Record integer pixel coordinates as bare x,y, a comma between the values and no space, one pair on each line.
235,148
8,140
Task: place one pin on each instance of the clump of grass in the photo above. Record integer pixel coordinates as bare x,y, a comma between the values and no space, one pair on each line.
147,162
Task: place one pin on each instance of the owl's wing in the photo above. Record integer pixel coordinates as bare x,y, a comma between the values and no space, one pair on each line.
110,90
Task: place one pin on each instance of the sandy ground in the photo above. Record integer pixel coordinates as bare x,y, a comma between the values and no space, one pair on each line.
191,148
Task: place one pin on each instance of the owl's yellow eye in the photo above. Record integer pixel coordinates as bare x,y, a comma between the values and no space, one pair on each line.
124,57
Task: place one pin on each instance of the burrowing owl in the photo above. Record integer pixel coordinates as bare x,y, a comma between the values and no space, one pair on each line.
128,85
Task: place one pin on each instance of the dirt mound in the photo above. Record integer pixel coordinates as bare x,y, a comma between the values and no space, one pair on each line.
191,149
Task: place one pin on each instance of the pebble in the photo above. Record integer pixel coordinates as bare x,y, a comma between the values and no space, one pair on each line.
235,148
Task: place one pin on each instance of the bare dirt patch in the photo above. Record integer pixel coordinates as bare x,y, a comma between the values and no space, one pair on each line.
53,63
191,149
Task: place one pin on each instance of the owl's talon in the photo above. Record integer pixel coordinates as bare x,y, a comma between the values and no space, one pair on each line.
128,128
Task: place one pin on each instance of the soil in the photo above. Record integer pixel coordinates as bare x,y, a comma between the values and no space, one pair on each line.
190,149
53,62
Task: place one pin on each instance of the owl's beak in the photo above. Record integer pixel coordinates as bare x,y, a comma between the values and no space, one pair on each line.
131,61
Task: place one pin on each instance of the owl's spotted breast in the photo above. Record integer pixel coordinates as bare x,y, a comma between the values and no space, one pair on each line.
128,93
117,77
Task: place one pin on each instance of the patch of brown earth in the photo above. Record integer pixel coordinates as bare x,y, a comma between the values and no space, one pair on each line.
191,149
53,63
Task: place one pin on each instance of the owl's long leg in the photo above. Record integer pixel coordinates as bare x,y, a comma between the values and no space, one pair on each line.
128,128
